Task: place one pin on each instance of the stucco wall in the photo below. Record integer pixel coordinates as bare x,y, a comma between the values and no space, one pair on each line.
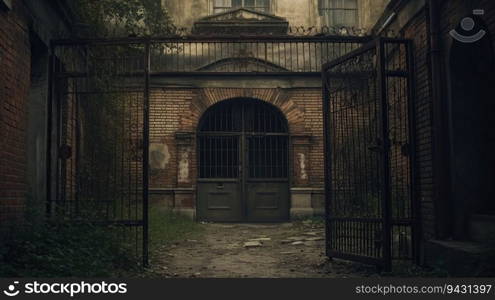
297,12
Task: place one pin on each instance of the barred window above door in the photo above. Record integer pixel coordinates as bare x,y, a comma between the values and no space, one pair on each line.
339,12
224,5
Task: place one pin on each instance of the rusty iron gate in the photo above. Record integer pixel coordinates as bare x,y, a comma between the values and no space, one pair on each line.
98,133
371,210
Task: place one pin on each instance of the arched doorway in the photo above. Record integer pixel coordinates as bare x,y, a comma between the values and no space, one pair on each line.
243,163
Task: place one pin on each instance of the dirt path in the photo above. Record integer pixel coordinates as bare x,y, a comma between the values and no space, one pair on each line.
278,251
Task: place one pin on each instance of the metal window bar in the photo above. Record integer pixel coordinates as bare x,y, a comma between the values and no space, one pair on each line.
339,12
221,130
220,6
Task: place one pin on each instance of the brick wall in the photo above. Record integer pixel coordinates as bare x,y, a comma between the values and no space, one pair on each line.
14,91
412,24
310,102
416,30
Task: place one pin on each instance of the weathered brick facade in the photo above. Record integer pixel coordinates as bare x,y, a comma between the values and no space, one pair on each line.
444,214
26,29
14,90
417,31
175,114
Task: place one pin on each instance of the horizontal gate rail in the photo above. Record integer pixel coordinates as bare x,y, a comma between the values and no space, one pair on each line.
202,38
192,55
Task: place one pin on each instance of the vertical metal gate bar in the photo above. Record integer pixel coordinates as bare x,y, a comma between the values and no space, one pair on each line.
386,200
415,214
78,155
58,114
146,116
327,159
49,127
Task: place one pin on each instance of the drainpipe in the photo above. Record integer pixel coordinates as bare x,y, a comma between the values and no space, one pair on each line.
442,205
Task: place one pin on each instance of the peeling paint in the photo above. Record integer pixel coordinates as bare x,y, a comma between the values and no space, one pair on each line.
184,167
302,166
159,156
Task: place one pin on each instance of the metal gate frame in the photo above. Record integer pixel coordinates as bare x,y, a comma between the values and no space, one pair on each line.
294,55
334,247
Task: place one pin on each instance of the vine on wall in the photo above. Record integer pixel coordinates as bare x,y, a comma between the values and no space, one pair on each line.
107,18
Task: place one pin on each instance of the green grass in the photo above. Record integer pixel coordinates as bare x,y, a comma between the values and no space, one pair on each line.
84,250
63,250
166,227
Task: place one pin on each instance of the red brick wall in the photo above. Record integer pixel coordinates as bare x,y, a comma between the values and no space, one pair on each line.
168,108
14,89
310,102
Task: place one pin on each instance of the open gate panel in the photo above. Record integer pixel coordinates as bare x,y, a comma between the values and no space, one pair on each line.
369,157
99,142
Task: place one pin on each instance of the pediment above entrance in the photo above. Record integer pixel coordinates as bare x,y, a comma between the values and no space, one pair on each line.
242,15
242,64
241,21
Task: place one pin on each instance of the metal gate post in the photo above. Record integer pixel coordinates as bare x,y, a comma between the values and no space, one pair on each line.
327,157
49,126
146,117
416,226
385,191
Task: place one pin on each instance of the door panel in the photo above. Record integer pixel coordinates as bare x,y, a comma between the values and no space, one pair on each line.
220,201
267,201
219,186
267,183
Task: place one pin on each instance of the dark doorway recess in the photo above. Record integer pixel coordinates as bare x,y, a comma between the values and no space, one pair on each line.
243,163
472,138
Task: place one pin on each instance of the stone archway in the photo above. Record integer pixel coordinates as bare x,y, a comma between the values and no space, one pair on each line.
277,97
